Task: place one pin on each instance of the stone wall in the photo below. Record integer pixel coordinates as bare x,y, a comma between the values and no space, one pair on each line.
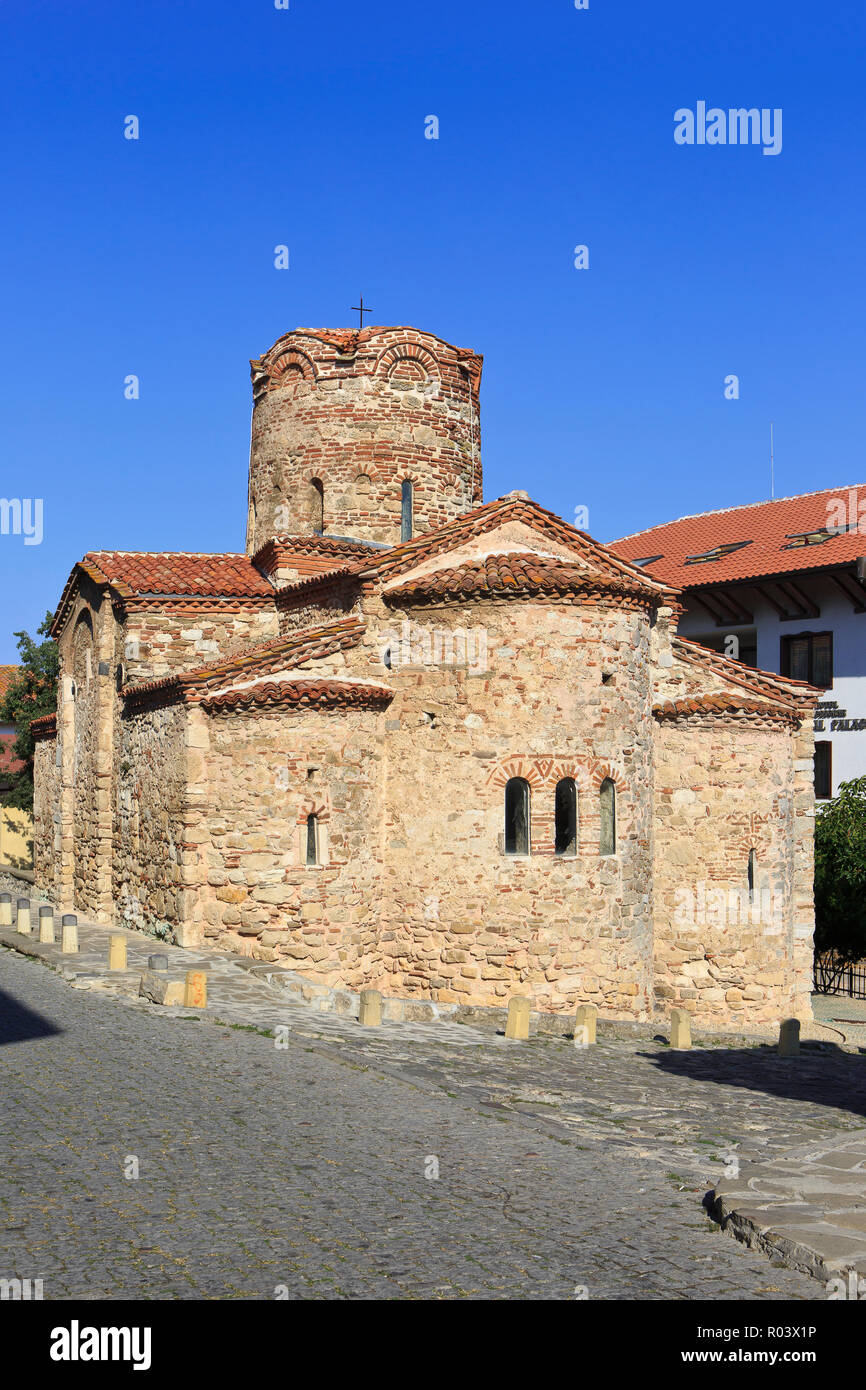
260,774
565,693
726,787
164,639
46,815
149,826
359,414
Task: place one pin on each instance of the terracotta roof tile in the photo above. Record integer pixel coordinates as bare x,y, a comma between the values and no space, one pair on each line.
312,694
7,676
166,572
518,575
44,727
726,704
294,648
768,527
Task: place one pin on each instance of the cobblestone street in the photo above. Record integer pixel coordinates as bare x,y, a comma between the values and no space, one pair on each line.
560,1170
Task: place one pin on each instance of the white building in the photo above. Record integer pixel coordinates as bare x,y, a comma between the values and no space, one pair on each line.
780,585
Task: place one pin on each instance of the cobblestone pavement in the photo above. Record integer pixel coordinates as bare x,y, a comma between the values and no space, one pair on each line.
560,1169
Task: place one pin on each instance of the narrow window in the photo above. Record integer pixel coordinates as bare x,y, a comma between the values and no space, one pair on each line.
517,816
406,511
312,856
565,840
317,506
607,809
823,770
751,874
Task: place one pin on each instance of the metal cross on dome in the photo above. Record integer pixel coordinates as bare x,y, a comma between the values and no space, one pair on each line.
359,309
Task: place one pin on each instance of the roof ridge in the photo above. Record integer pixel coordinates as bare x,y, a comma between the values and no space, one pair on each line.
742,507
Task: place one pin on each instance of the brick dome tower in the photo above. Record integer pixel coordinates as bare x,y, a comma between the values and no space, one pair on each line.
371,435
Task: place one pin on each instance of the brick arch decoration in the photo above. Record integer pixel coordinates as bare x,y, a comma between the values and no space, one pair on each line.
288,365
542,774
314,806
391,359
752,831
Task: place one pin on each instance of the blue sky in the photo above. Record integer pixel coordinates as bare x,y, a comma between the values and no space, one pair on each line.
602,388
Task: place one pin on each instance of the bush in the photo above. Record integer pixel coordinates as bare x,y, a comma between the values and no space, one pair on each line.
840,874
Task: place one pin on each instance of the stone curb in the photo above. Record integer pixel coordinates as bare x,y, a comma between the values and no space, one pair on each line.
807,1207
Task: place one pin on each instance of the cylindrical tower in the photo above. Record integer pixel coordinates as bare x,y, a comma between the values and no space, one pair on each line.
372,435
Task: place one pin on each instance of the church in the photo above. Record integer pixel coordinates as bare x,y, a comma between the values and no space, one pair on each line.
413,741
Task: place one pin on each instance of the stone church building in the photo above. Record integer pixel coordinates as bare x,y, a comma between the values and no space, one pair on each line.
412,741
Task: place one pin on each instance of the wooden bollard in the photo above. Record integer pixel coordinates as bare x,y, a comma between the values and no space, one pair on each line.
46,924
69,933
370,1008
117,953
195,989
681,1028
584,1025
789,1038
517,1022
5,909
23,916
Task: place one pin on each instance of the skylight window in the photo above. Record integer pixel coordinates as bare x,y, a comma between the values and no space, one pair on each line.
801,538
648,560
717,553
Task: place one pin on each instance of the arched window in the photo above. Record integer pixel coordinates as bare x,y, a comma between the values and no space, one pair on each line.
607,810
406,510
517,816
312,852
317,506
565,807
753,859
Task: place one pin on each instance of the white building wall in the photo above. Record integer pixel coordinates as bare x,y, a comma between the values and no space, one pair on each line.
848,691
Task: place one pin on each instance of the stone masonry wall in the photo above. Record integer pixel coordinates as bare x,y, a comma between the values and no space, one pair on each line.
361,414
565,693
723,788
149,841
261,773
46,815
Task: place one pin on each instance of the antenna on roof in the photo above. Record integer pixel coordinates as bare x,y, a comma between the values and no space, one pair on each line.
772,466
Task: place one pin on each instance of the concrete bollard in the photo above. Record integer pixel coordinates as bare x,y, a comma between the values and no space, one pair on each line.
517,1023
157,962
69,933
23,916
117,953
789,1038
5,909
195,989
370,1008
46,924
584,1025
681,1029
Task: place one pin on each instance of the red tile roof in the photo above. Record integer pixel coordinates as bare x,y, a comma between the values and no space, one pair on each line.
518,574
728,704
44,727
312,694
7,676
165,572
292,649
767,526
385,565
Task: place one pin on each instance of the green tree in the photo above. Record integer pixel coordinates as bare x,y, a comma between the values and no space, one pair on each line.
840,874
31,694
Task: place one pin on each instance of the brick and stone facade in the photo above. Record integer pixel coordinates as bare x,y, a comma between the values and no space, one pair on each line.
305,753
